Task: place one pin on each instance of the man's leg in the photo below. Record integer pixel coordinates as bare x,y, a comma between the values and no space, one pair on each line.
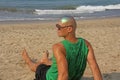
32,65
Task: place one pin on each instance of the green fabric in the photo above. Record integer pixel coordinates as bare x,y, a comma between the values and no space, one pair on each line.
76,55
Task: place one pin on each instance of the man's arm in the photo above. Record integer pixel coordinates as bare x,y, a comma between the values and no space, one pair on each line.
59,53
92,63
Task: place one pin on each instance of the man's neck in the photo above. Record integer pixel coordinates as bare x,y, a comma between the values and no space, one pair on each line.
71,38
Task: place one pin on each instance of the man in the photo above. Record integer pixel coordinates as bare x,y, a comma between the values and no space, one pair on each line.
69,56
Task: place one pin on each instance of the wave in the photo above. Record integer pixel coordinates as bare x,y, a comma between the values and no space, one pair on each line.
80,9
97,8
17,10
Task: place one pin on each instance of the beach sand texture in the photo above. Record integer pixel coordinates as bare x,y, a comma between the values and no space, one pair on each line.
104,35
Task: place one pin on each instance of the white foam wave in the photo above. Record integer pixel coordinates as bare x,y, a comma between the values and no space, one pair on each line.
54,11
80,9
97,8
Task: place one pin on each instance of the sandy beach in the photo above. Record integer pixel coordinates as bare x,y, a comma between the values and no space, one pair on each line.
37,36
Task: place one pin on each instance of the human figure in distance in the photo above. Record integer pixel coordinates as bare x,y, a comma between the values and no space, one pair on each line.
70,56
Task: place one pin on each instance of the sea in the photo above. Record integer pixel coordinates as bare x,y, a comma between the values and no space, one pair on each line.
13,10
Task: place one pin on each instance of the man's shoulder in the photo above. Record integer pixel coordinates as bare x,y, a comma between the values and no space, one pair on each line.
58,46
88,44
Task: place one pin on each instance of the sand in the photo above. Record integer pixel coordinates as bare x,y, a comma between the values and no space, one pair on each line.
37,36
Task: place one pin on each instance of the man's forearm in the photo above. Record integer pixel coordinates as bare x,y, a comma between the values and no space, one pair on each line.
97,74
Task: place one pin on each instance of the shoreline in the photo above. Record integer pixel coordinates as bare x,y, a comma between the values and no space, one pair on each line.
45,21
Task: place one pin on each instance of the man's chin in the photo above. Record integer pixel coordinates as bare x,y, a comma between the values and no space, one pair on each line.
60,36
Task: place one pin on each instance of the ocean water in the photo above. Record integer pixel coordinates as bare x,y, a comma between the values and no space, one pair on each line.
53,9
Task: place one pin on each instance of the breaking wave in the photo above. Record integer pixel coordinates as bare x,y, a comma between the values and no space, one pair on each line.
80,9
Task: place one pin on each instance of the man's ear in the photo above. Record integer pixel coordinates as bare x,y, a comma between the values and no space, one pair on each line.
69,29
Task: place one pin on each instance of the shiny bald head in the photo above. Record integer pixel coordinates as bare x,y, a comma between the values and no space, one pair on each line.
67,21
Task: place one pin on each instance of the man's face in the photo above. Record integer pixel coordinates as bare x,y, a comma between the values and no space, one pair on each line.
61,30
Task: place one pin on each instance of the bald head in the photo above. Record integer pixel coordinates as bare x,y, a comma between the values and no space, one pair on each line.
67,21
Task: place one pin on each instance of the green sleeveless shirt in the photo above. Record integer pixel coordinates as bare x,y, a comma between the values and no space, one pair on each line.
76,55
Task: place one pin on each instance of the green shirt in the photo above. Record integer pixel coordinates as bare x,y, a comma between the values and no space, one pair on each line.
76,55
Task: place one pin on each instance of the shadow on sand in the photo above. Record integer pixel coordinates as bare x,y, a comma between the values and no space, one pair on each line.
109,76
